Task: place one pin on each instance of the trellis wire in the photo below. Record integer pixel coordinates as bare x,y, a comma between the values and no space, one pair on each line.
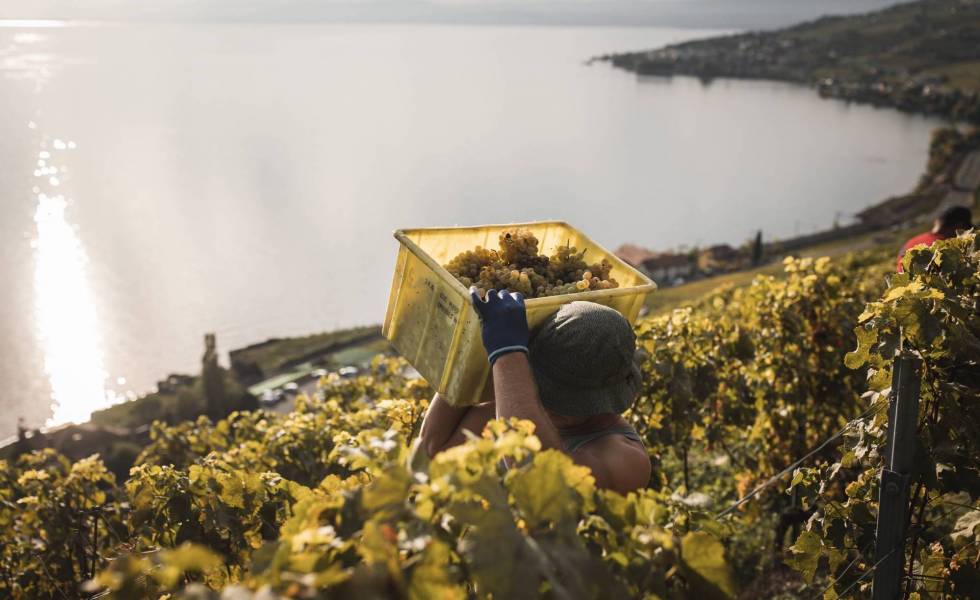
844,572
863,576
775,478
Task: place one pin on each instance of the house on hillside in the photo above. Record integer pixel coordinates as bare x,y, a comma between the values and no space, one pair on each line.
720,257
634,255
669,269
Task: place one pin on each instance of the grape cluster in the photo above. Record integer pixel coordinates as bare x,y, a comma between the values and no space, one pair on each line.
518,267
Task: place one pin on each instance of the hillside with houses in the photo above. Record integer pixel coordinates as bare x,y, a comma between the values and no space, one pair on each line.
921,57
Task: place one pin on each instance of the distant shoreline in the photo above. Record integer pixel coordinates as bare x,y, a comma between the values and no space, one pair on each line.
921,57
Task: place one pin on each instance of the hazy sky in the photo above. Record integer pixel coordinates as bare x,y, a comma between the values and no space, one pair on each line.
683,13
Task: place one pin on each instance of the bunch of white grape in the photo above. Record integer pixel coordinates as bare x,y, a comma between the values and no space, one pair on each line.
518,267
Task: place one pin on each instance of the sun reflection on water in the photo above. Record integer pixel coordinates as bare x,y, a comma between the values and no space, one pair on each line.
65,314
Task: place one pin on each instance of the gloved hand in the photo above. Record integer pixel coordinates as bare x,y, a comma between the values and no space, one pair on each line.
504,321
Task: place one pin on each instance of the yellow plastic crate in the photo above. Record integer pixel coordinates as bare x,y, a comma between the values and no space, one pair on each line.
430,319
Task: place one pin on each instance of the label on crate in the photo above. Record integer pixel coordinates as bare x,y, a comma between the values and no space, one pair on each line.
447,307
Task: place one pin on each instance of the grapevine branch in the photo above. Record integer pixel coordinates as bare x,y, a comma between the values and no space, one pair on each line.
57,584
915,536
956,504
844,572
863,576
775,478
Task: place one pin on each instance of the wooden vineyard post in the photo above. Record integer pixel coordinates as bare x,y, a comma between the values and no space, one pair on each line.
903,415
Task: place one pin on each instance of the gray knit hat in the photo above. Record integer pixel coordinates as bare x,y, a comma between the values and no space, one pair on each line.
582,359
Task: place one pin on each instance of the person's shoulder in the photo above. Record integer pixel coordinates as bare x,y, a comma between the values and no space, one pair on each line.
617,462
927,238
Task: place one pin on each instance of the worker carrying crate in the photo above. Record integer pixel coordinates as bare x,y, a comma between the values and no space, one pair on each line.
563,361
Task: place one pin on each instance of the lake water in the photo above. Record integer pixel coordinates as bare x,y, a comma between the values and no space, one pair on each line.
159,182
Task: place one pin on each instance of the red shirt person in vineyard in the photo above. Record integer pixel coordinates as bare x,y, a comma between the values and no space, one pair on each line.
572,378
947,225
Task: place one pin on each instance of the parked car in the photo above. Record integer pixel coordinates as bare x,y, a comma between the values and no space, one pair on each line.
271,397
348,371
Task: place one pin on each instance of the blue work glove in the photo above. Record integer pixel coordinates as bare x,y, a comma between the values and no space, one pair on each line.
504,321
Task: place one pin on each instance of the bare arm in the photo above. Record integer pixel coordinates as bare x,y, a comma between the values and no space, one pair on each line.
443,425
516,395
439,423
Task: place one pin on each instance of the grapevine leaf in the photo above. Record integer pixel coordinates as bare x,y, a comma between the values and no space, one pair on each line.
865,339
806,555
966,527
186,558
232,490
933,569
704,558
553,489
264,556
574,568
388,492
430,579
378,547
501,561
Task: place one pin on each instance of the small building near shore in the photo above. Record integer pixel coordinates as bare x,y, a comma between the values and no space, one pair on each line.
718,258
669,269
634,255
